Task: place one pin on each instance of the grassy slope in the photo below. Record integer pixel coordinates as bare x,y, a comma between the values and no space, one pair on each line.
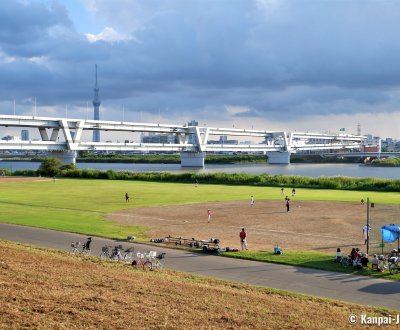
80,205
47,290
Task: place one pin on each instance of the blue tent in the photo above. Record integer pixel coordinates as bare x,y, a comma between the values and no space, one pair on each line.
390,233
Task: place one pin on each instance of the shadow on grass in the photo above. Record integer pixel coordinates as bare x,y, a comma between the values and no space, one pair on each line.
310,260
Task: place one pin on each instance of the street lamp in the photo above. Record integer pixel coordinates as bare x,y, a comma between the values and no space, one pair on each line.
369,205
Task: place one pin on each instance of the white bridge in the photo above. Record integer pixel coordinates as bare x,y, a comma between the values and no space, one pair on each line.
277,145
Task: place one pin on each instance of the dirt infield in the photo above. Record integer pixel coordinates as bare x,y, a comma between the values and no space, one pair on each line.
310,225
21,179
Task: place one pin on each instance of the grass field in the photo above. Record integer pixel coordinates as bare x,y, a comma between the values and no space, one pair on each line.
310,259
81,205
45,289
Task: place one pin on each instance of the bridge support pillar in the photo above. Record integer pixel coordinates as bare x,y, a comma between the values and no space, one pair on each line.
192,159
67,157
277,157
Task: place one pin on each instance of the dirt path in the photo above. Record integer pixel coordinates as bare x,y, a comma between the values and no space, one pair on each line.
21,179
308,226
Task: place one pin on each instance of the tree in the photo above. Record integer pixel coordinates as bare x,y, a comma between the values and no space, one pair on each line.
50,167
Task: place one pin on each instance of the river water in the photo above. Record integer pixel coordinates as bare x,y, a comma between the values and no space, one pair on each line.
311,170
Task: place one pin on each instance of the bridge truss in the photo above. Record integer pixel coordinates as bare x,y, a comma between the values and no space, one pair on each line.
277,145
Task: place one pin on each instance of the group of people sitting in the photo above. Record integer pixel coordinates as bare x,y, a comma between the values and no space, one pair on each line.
356,258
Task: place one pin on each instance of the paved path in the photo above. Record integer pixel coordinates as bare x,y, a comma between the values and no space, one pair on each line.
355,289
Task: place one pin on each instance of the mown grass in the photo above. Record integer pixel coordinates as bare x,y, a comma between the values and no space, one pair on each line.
46,289
80,205
309,259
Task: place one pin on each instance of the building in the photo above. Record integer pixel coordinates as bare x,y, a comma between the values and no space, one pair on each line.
223,139
24,135
11,138
159,138
372,144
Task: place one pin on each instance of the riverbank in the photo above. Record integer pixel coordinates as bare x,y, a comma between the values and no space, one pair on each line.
175,159
266,180
387,162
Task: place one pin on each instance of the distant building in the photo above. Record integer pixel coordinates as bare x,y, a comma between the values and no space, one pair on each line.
159,138
372,144
24,135
223,139
11,138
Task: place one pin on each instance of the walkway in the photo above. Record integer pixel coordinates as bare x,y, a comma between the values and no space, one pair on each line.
355,289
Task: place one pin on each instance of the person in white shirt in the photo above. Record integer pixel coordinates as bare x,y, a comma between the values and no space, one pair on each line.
366,232
251,200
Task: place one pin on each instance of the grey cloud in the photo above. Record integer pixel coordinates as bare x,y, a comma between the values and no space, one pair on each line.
195,57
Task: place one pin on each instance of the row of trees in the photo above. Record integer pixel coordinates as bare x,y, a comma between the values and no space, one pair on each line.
53,167
84,156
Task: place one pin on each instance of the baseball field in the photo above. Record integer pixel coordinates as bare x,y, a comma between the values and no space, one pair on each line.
319,220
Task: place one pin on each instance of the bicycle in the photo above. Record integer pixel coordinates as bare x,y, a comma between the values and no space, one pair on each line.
117,253
106,252
157,261
346,262
142,260
85,247
74,248
394,266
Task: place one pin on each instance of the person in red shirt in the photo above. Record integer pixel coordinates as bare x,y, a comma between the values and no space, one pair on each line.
243,239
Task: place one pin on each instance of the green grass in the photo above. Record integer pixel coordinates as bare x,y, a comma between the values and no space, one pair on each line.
80,205
309,259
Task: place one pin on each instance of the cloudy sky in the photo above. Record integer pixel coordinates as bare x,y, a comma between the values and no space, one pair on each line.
309,65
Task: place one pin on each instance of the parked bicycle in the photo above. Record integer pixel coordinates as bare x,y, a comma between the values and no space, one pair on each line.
149,260
142,260
346,262
85,247
117,253
394,265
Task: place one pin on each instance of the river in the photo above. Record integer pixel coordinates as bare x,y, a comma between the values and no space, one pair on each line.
311,170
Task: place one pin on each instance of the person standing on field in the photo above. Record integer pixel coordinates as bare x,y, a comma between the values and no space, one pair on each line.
209,215
126,197
366,231
243,239
251,200
287,205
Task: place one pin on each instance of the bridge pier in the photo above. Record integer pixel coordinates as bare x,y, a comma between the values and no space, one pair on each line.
192,159
67,157
278,157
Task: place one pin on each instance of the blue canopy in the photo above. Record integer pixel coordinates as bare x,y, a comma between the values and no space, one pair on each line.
390,233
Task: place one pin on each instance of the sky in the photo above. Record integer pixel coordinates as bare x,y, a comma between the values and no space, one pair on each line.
309,65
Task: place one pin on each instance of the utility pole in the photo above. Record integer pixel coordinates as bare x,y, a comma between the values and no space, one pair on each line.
367,224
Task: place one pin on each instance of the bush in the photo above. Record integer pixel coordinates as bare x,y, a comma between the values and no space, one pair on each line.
25,173
50,167
344,183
